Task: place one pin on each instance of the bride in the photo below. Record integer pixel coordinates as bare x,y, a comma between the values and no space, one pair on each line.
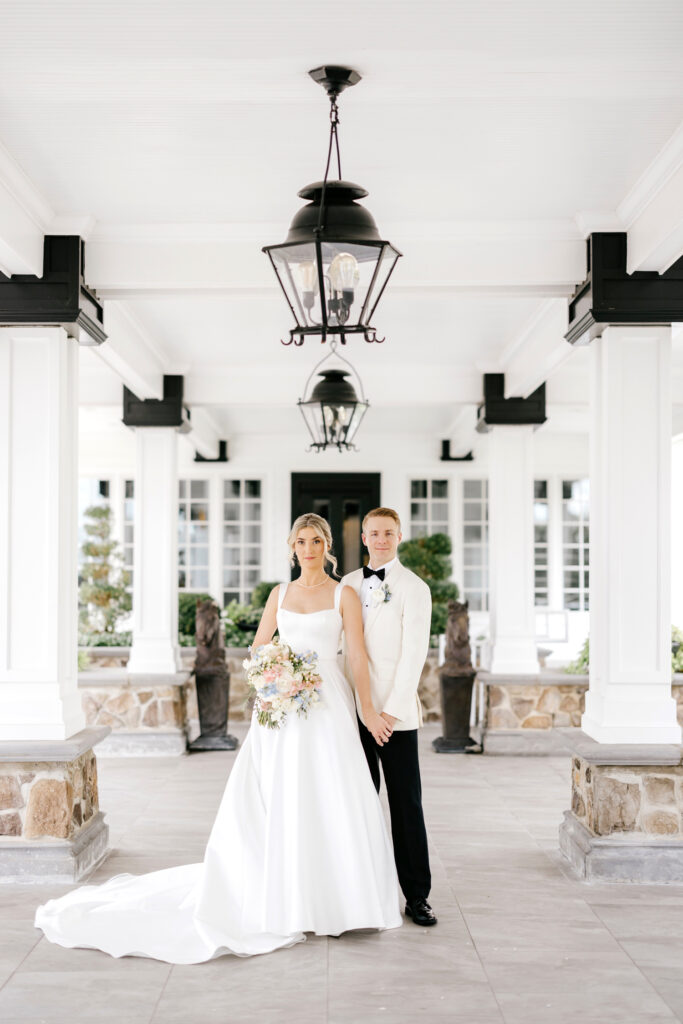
299,843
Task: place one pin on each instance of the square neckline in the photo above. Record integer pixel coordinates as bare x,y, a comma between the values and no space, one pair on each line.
335,607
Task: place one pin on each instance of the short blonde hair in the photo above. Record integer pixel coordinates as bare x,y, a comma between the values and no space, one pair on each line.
321,527
383,513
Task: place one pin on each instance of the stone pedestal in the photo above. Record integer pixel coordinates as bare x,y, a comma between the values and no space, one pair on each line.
625,822
146,716
456,706
51,826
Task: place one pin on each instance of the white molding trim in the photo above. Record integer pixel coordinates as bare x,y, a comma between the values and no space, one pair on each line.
667,162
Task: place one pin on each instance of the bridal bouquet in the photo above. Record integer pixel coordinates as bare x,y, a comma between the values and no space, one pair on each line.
281,682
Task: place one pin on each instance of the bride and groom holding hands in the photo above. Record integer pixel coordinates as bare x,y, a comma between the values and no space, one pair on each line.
300,843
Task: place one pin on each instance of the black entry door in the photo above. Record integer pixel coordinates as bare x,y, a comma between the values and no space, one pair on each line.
343,499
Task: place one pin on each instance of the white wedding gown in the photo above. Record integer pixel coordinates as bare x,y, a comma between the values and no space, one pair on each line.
299,843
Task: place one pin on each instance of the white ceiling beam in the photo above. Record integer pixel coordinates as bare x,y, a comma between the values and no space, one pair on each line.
131,353
24,214
538,351
653,211
145,261
205,434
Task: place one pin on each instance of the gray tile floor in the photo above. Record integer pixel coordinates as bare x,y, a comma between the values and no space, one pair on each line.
519,941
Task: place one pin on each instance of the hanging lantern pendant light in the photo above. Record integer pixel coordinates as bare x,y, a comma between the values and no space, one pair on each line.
332,408
334,266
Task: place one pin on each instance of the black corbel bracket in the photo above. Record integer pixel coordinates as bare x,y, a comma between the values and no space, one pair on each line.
168,411
222,454
59,298
497,410
611,296
447,457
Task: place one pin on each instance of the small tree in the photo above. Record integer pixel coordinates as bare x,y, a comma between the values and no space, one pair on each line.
429,558
103,595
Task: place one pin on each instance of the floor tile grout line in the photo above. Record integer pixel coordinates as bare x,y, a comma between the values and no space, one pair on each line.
159,997
637,966
23,959
474,945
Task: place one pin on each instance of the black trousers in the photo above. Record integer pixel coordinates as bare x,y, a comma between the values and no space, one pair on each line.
401,770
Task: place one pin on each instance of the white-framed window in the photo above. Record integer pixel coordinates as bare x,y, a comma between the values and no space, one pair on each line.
428,507
193,535
128,543
242,538
541,524
575,544
475,544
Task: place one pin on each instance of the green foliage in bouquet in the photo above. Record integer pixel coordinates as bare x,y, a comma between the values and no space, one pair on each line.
103,594
429,558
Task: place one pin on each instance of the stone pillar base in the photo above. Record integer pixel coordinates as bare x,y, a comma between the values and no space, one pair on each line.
51,827
625,822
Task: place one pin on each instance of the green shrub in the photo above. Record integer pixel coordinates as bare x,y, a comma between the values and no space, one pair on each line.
91,639
429,558
582,664
261,593
241,622
187,616
103,595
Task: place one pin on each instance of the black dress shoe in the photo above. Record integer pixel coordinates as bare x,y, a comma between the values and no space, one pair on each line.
421,912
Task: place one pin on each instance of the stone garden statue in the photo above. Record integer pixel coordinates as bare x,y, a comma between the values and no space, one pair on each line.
457,679
213,681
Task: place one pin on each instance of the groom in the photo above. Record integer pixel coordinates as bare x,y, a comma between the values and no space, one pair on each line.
397,608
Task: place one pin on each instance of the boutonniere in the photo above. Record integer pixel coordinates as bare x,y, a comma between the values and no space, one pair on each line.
381,595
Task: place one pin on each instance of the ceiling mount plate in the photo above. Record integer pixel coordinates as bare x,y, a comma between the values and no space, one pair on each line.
334,79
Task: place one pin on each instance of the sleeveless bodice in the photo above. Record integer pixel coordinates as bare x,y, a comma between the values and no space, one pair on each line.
311,631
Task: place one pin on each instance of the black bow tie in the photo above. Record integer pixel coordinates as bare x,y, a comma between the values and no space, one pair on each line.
368,572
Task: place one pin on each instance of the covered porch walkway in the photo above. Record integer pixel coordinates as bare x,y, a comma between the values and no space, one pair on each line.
519,940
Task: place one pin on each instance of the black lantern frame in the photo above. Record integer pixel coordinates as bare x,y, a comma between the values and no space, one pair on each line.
332,409
334,265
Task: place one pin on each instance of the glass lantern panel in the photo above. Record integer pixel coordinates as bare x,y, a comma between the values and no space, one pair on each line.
349,273
387,262
296,268
358,412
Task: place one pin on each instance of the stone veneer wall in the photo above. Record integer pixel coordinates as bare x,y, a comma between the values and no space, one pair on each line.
642,799
130,708
535,705
48,798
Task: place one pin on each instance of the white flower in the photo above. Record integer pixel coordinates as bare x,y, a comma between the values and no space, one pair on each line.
380,595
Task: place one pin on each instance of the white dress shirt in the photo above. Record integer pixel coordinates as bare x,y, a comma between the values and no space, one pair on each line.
370,584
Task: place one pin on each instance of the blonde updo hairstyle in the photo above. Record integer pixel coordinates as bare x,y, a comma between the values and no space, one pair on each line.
322,528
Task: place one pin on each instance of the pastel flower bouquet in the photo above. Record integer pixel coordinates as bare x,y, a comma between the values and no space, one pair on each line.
281,682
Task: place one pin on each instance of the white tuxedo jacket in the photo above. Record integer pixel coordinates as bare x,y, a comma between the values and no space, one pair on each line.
397,641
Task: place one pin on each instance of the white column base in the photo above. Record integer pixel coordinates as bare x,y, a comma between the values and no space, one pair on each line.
626,715
153,656
514,656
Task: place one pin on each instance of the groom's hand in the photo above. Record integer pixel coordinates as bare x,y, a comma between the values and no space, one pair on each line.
389,719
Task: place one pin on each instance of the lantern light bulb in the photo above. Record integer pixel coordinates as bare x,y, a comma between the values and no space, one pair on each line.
344,273
308,275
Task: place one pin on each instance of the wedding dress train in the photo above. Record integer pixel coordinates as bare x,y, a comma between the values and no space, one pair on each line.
299,843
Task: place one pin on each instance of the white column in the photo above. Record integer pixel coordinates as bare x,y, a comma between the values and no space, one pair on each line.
629,699
511,551
39,698
155,559
677,531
